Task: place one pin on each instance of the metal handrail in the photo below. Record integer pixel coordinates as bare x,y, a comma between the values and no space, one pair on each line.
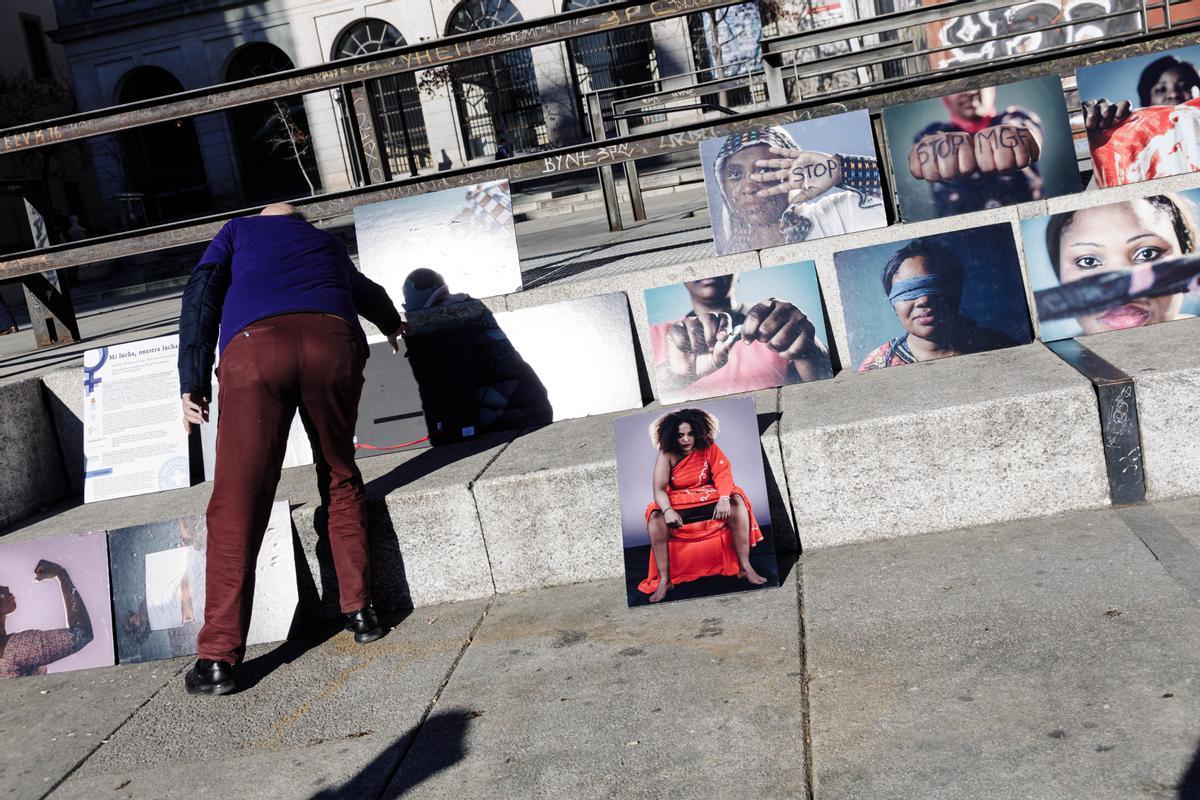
409,58
589,156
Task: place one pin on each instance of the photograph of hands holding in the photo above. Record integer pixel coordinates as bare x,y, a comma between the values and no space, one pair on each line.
1142,116
738,333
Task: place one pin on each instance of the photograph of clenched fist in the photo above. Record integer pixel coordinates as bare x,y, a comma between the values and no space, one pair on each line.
738,333
776,185
982,148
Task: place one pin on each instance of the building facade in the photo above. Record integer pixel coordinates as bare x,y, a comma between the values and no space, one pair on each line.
122,51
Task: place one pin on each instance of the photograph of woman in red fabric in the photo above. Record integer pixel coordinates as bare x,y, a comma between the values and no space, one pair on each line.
700,523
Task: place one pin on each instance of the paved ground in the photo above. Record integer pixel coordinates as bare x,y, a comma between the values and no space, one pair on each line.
1055,658
677,231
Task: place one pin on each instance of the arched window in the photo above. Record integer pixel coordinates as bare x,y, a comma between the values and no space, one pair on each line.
162,161
727,42
273,140
613,58
396,100
497,96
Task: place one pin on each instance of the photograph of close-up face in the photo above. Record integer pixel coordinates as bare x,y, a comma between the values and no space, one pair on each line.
54,605
783,184
933,297
981,148
1142,116
1116,266
695,518
738,333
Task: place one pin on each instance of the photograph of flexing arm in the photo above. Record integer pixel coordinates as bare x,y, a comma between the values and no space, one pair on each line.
54,609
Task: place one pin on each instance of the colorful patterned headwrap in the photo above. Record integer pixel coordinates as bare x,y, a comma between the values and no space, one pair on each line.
736,142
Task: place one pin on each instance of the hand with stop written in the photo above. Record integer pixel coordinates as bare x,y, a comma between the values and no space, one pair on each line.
801,174
700,345
957,154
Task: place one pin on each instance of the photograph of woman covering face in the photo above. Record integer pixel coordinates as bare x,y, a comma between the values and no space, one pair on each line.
1142,116
792,183
933,297
1133,237
699,534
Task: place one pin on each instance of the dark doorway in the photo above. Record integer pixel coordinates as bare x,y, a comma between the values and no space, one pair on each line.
273,139
395,99
163,161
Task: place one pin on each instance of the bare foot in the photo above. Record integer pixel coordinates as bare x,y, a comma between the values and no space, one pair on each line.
661,591
13,329
747,573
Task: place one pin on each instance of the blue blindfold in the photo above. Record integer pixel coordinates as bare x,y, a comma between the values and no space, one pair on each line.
925,286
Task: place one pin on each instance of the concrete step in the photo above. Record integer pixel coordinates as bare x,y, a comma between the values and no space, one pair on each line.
986,662
595,199
1010,434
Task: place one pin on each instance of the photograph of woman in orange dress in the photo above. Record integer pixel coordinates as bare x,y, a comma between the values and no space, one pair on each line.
700,523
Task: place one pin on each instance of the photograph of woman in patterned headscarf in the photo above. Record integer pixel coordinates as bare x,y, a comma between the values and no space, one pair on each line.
792,183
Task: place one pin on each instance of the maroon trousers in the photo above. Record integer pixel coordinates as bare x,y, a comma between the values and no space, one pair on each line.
314,363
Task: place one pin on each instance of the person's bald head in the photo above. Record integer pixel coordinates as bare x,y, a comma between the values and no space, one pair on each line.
281,210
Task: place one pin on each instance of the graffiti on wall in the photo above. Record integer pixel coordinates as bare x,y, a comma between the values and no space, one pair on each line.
986,35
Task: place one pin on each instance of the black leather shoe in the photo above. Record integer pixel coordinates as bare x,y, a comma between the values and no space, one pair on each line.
210,677
365,625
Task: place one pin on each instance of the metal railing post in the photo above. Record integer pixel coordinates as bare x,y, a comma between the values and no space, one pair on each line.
632,178
608,183
51,312
375,160
776,90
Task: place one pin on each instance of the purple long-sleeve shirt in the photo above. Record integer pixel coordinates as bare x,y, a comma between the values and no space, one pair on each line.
270,265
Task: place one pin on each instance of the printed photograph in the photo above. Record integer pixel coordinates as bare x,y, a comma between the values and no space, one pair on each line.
465,234
738,333
158,586
695,520
933,297
481,372
54,605
1142,116
983,148
1115,266
792,183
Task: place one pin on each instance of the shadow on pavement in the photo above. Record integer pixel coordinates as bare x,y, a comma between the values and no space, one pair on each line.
1189,784
447,731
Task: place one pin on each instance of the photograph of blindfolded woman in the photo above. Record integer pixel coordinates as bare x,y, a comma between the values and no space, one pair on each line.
933,297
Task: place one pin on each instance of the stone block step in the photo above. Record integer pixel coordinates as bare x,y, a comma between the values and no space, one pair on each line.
991,437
